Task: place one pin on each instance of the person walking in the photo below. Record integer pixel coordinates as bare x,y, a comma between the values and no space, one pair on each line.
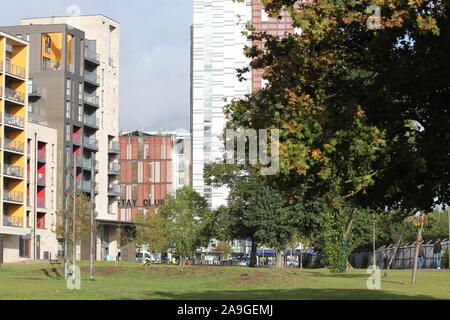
437,252
421,255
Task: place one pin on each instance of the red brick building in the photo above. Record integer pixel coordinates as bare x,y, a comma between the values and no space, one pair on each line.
152,165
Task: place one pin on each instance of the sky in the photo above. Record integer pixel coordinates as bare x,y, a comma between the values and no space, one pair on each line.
154,49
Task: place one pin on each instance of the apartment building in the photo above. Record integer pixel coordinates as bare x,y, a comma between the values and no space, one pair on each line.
152,165
13,147
74,77
42,242
217,51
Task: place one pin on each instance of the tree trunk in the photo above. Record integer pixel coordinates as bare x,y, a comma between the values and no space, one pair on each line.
253,255
416,254
182,261
347,234
280,257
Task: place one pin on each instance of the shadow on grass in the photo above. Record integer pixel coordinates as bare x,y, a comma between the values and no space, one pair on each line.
286,294
56,275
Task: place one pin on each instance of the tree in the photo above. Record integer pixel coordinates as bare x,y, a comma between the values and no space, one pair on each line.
82,223
225,248
187,221
255,210
151,230
361,124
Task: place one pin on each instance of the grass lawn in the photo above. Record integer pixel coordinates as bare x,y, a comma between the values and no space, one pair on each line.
131,281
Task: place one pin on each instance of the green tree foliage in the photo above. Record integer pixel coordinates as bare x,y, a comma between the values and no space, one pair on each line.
255,210
363,113
151,230
187,222
82,221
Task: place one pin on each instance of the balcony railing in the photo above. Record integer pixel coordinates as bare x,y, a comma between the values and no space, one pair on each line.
34,91
16,222
114,167
41,179
15,70
14,95
91,99
92,77
90,142
13,145
114,189
49,65
114,147
87,164
90,120
14,120
13,171
40,202
42,155
76,138
92,55
13,196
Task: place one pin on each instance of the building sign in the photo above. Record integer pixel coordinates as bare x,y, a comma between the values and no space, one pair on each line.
145,203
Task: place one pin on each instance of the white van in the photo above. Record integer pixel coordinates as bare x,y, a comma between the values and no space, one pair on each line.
144,255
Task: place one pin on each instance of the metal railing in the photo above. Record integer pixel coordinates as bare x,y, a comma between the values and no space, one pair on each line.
114,189
42,155
76,138
91,55
114,146
14,95
15,70
92,77
13,171
40,202
41,179
87,164
16,222
90,120
50,65
114,167
91,99
13,145
14,120
90,142
12,196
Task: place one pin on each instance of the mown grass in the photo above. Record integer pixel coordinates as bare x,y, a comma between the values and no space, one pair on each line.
131,281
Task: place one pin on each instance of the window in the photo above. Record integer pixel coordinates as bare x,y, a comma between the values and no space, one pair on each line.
40,223
68,111
80,92
68,89
48,44
80,113
68,135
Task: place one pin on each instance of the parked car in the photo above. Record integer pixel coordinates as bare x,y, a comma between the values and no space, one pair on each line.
145,255
291,263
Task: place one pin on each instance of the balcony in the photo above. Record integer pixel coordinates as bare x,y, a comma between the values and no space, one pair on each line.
40,202
14,95
34,91
87,164
114,148
41,180
114,190
92,56
90,143
91,99
15,70
16,222
15,146
13,171
13,196
91,121
42,156
15,121
76,138
86,186
92,78
114,169
49,65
